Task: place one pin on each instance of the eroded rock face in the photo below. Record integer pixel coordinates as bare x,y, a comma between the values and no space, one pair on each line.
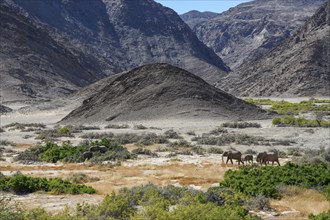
73,43
298,66
194,17
247,31
159,91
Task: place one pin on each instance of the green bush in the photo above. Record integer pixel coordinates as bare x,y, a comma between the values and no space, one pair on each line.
51,152
172,134
241,125
300,122
322,216
23,184
264,180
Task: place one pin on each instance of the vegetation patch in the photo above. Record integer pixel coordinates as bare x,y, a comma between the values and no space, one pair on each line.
144,151
299,122
265,180
322,216
241,125
151,202
19,184
97,151
287,108
80,178
172,134
25,127
218,131
114,126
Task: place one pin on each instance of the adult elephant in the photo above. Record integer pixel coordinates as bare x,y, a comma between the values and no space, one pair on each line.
265,157
236,155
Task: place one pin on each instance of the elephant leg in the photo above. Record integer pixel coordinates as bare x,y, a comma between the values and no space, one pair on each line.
231,160
278,163
227,160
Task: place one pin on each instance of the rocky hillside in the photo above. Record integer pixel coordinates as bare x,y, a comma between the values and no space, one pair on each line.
299,66
33,64
160,91
194,17
83,41
249,30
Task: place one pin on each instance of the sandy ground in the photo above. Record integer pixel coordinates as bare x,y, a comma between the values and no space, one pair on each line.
200,172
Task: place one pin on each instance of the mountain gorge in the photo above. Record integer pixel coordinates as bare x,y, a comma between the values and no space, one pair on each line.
247,31
299,66
74,43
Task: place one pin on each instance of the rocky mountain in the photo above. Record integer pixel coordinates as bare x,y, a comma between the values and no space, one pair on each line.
247,31
194,17
299,66
159,91
34,64
74,43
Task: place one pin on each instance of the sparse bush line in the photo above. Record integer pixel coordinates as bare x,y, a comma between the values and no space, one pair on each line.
299,122
19,183
241,125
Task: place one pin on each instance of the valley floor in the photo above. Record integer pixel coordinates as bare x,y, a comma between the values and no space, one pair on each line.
197,171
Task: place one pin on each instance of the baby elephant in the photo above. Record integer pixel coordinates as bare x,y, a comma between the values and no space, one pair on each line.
248,158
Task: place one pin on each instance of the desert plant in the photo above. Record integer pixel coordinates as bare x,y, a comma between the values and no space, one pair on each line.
144,151
140,127
94,135
191,133
172,134
215,150
241,125
80,178
250,151
218,131
114,126
7,143
260,202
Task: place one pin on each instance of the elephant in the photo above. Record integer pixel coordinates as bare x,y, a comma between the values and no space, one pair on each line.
101,149
87,155
265,157
225,154
234,155
248,158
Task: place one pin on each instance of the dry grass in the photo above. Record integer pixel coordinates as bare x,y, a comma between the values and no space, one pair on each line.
305,201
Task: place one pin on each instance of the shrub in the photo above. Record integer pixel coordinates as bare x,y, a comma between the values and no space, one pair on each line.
191,133
241,125
215,150
144,151
80,178
172,134
264,180
218,131
300,122
7,143
140,127
180,143
322,216
250,151
260,202
113,126
24,127
93,135
23,184
54,133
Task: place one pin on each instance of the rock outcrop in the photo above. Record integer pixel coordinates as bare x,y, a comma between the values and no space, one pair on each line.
160,91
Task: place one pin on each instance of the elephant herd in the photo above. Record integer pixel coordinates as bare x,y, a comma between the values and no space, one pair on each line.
262,158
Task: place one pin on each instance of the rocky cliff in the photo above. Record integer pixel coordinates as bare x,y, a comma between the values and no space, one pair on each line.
299,66
247,31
